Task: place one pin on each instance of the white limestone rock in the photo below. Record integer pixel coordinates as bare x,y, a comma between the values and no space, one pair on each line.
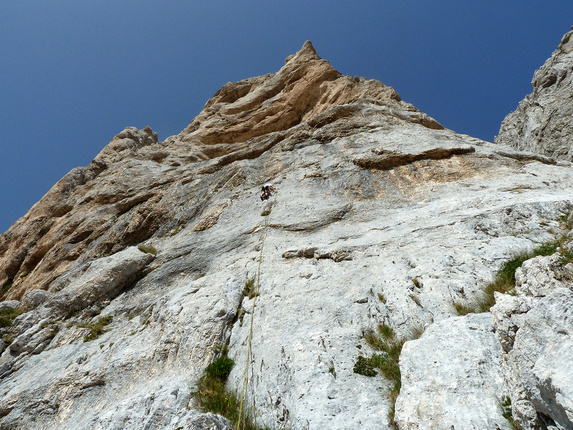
451,377
35,298
541,358
140,373
536,332
9,304
540,276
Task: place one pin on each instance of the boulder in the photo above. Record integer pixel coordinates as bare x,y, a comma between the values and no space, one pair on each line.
451,377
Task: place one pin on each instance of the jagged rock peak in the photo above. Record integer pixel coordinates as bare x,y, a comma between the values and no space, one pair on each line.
306,53
566,45
306,100
541,123
306,86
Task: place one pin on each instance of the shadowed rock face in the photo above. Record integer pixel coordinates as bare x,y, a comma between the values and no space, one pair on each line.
542,121
77,219
382,217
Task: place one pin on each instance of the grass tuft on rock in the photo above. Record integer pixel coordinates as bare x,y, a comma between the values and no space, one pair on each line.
505,405
566,257
147,249
220,368
97,329
387,361
7,316
250,290
365,366
504,281
213,396
464,308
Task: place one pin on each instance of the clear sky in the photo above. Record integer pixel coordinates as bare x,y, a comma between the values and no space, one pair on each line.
75,73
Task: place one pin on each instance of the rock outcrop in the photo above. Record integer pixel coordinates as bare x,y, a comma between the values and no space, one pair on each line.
535,328
452,377
129,277
542,122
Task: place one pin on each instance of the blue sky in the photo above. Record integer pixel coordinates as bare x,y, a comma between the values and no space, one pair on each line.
75,73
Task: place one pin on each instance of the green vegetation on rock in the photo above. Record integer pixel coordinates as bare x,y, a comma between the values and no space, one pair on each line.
507,413
387,361
250,290
97,329
504,281
147,249
7,316
213,395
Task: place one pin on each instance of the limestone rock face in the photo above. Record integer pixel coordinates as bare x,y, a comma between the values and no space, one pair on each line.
542,122
76,220
452,377
119,199
536,330
128,278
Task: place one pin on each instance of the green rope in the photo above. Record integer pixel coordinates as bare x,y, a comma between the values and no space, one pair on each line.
253,316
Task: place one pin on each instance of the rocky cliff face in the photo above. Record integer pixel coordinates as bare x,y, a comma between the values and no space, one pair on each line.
128,278
542,121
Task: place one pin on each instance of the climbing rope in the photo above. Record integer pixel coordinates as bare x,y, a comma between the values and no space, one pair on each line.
253,313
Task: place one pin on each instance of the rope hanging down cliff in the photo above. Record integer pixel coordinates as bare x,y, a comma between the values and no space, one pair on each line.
267,217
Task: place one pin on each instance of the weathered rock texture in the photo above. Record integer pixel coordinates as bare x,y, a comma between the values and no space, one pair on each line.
382,216
535,328
452,377
542,122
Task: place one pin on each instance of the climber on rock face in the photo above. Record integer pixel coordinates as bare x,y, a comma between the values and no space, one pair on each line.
266,191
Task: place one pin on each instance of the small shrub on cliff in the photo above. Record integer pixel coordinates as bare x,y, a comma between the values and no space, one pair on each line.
504,281
97,329
566,257
220,368
464,308
364,366
147,249
5,322
250,290
7,316
507,413
212,396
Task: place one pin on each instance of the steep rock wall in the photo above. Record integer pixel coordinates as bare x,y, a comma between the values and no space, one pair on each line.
542,121
382,217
